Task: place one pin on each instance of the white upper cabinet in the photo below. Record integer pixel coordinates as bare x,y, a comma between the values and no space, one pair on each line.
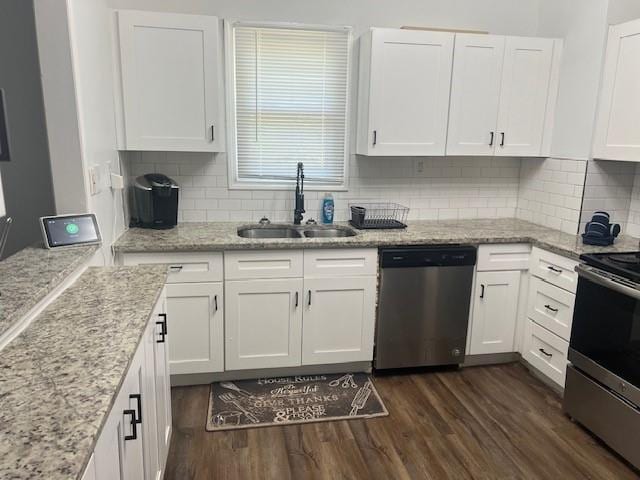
503,95
525,96
170,82
475,94
404,89
617,136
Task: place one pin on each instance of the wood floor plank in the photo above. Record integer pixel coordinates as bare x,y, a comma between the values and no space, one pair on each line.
480,423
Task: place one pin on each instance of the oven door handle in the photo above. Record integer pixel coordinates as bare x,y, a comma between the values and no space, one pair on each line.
592,275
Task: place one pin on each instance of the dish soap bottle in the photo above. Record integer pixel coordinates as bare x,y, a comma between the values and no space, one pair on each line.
327,209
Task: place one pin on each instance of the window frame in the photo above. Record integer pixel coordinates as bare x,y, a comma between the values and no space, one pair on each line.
234,183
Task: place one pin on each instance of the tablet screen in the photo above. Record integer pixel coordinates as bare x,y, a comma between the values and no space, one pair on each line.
70,230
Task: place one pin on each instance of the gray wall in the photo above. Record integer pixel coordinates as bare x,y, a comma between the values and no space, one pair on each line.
27,177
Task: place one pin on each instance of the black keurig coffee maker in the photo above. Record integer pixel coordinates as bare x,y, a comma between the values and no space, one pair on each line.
155,198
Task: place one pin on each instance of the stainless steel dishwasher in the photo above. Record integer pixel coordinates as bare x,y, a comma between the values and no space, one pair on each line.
423,310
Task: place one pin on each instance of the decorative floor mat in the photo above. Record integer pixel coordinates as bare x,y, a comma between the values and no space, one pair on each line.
289,400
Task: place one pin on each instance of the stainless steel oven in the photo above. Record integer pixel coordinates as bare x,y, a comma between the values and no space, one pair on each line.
602,389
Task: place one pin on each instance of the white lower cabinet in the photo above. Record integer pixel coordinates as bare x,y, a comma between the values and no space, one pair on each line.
495,311
134,439
263,327
338,323
196,323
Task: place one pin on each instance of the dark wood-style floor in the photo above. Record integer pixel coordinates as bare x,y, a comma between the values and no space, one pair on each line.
495,422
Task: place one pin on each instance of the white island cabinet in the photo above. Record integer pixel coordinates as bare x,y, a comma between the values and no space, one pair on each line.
134,441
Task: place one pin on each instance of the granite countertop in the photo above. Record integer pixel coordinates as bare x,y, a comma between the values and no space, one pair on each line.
31,274
223,236
59,378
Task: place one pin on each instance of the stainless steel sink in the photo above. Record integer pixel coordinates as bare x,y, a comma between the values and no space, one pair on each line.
329,232
271,231
289,231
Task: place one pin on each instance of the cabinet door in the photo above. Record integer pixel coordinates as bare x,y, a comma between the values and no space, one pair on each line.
195,327
475,94
162,392
526,77
149,423
409,99
339,320
495,312
263,323
132,391
617,136
170,77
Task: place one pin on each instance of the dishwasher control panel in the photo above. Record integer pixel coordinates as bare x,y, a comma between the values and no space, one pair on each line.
449,256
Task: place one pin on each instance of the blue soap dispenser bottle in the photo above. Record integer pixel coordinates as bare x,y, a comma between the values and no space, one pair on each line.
328,208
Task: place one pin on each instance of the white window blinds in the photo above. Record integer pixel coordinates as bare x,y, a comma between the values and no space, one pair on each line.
290,104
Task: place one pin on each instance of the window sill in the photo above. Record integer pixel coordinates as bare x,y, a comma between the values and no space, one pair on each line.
287,187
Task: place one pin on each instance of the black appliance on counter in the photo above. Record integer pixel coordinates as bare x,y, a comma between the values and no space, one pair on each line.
602,389
155,198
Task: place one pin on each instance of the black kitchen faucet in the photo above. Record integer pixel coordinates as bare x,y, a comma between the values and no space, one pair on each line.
299,204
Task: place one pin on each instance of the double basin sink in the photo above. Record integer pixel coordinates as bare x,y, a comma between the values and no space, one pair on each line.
294,231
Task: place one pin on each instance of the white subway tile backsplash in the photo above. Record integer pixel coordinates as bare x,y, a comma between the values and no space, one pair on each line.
448,187
550,192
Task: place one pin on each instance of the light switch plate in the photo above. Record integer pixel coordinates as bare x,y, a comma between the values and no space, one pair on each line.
94,180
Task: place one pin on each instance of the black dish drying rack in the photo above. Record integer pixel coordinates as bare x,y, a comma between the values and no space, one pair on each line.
378,215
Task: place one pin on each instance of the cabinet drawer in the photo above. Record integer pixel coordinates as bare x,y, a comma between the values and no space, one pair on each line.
546,352
184,267
348,262
551,307
511,256
555,269
263,264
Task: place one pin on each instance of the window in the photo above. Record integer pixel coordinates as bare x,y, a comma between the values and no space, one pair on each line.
288,103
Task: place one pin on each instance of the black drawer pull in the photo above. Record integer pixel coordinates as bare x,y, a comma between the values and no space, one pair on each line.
163,327
375,137
297,296
491,141
554,269
138,399
309,297
134,429
549,307
482,291
545,353
176,268
502,141
215,302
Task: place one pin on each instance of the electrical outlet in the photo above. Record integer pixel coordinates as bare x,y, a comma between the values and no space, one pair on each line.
419,165
94,180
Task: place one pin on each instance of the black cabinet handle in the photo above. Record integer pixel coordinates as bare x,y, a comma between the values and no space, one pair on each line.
215,302
502,141
549,307
491,141
175,268
134,429
554,269
545,353
213,133
163,327
481,291
375,137
138,398
297,295
309,297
